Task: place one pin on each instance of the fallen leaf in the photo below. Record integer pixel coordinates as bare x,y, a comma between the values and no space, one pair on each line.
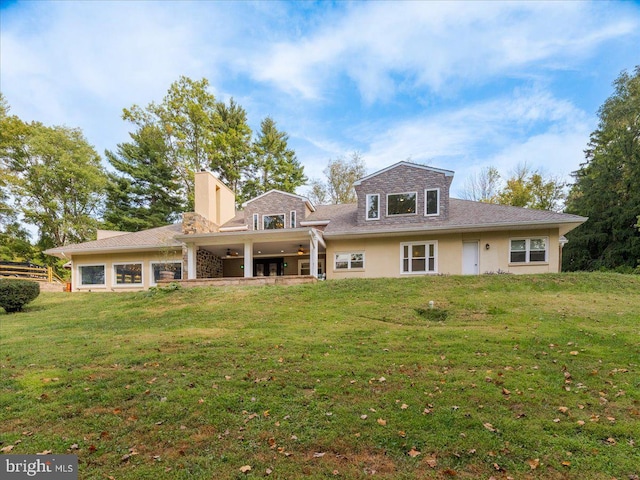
245,469
533,464
268,471
319,454
363,417
574,352
45,452
382,422
6,449
566,464
404,406
431,461
382,379
563,409
402,433
489,427
506,392
611,441
413,452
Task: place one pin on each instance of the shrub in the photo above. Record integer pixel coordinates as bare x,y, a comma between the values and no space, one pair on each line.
15,294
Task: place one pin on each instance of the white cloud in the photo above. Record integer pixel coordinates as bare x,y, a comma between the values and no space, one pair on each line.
433,43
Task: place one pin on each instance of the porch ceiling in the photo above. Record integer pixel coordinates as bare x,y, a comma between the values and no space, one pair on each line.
261,249
266,243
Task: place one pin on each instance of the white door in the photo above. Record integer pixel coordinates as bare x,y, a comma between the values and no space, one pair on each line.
470,258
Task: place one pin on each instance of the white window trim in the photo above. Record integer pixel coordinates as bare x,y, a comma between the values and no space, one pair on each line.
402,214
527,250
293,219
152,281
114,280
425,202
349,267
256,221
368,203
321,269
426,244
90,285
284,219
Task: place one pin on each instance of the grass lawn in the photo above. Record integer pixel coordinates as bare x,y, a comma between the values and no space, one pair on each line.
506,377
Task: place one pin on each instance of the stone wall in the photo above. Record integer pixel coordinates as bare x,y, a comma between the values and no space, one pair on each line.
195,223
275,203
404,179
208,265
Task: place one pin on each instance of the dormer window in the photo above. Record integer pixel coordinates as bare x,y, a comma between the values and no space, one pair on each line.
432,202
401,203
273,222
373,206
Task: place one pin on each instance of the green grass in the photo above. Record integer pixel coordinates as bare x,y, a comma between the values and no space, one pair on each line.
341,379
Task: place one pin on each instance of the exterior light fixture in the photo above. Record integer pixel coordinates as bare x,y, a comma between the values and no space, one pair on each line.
487,246
300,250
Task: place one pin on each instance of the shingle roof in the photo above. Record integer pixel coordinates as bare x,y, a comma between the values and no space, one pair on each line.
153,238
463,214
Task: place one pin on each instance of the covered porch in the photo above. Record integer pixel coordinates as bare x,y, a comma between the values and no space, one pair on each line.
264,254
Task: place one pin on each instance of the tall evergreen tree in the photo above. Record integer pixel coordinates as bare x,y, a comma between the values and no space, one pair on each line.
607,186
275,165
230,150
145,193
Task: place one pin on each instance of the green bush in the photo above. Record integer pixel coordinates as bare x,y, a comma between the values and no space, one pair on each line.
15,294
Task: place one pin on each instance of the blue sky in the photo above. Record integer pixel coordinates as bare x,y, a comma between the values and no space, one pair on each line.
455,85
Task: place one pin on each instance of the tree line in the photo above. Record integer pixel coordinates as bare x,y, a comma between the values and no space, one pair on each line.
53,179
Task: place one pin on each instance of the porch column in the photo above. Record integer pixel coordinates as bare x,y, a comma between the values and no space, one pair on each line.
313,255
191,261
248,259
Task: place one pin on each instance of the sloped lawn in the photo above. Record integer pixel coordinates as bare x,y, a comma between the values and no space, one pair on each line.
505,377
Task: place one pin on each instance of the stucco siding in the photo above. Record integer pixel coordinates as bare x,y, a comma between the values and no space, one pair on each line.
110,260
382,255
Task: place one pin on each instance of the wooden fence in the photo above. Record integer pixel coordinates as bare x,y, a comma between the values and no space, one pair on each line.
38,274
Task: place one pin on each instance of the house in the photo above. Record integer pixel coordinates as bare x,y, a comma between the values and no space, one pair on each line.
404,223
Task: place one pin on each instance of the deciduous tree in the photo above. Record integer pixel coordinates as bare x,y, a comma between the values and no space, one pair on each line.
341,175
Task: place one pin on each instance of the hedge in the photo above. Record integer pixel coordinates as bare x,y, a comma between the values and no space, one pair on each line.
15,294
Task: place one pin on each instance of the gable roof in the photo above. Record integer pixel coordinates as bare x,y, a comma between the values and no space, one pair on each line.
446,173
154,238
273,190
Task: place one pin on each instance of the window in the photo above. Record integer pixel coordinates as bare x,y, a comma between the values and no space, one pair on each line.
432,202
292,219
273,222
418,257
401,203
349,261
304,267
128,273
373,206
174,267
256,221
91,274
526,250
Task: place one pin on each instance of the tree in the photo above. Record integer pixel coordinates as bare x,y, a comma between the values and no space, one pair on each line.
341,173
607,185
530,189
482,187
230,150
57,176
187,117
145,193
274,164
